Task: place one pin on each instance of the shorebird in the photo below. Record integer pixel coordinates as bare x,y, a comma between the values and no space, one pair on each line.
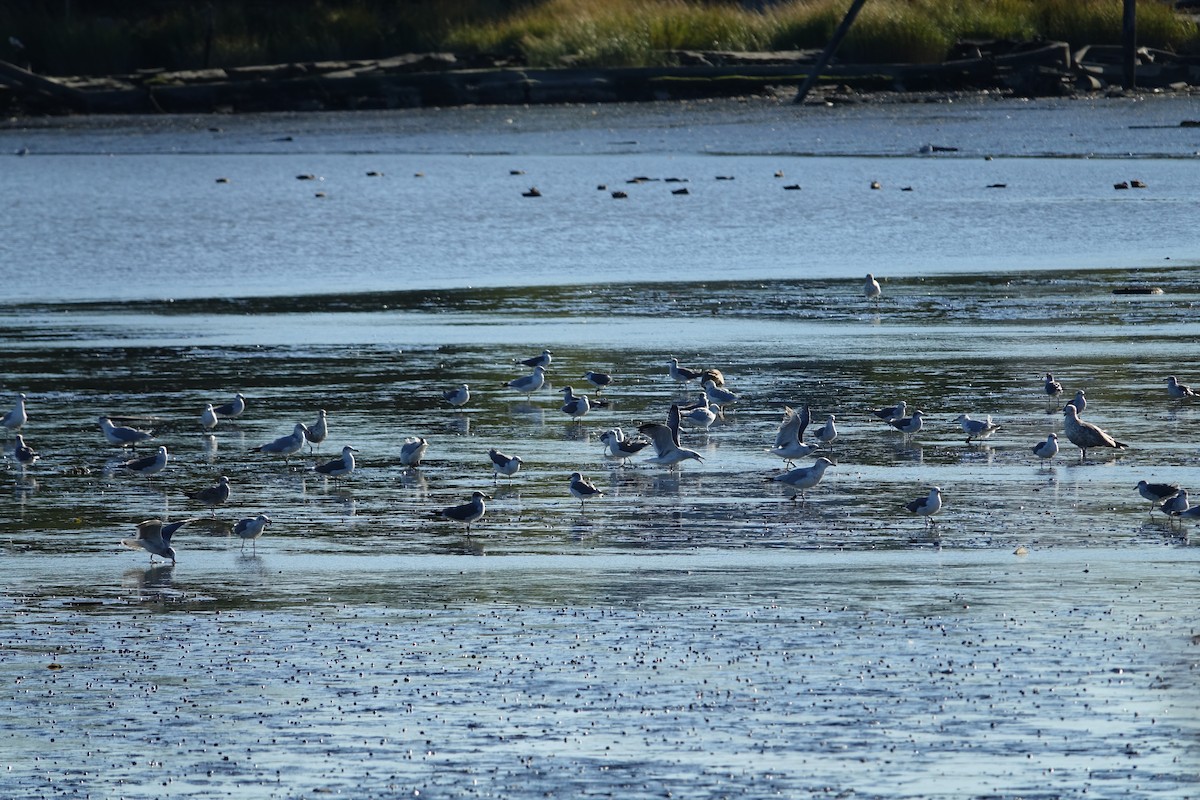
700,415
503,464
467,513
458,397
582,490
927,506
827,432
601,380
1174,506
574,405
208,418
789,440
342,465
804,478
542,360
1085,435
892,412
23,453
17,417
665,439
1047,449
977,428
871,288
212,496
908,425
251,528
1052,387
618,447
412,451
1156,493
717,396
233,409
285,445
318,431
681,375
122,436
1178,390
149,465
1079,401
155,537
528,384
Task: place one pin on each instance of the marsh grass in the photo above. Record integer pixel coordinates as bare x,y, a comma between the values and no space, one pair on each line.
107,38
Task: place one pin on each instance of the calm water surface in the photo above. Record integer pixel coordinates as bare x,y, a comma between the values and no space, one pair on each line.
694,632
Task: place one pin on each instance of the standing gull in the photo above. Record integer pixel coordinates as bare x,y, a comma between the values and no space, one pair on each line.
149,465
927,506
17,417
804,478
601,380
827,432
789,440
208,418
212,496
503,464
1052,387
457,397
574,406
233,409
413,450
665,439
977,428
909,425
542,360
1174,506
342,465
155,537
1079,401
23,453
284,445
318,431
467,513
122,436
871,288
1085,435
892,412
717,396
1178,390
681,375
618,447
1156,493
700,415
1047,449
528,384
251,528
582,489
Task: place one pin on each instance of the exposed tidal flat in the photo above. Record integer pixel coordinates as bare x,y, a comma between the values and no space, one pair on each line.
694,632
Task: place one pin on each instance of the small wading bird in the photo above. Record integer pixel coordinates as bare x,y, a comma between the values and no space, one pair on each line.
155,537
212,496
681,375
503,464
285,445
542,360
601,380
909,425
804,478
1048,449
1079,401
251,528
528,384
149,465
23,453
1156,493
467,513
318,431
1174,506
574,405
892,412
977,428
1085,435
1052,387
927,506
582,489
342,465
458,397
233,409
123,436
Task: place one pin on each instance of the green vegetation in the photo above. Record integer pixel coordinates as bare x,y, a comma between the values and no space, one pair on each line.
109,36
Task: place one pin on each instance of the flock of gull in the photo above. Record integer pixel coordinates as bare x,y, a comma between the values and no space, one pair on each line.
660,438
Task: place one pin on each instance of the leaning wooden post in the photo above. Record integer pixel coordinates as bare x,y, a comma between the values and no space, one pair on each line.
838,35
1129,43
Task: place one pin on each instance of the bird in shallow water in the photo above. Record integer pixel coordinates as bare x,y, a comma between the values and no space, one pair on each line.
679,374
582,489
909,425
574,405
318,431
1156,493
601,380
1079,401
458,397
1177,390
1052,387
977,428
804,478
413,450
469,512
154,536
208,418
1085,435
16,417
1174,506
1047,449
927,506
233,409
149,465
251,528
699,415
543,360
528,384
342,465
871,288
665,439
23,454
212,496
503,464
285,445
618,447
123,436
892,412
789,439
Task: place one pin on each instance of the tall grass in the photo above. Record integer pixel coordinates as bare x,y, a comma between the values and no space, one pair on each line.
104,36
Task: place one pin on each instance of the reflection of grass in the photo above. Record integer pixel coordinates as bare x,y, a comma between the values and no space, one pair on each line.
72,38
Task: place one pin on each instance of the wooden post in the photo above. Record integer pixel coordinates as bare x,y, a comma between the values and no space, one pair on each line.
834,41
1129,43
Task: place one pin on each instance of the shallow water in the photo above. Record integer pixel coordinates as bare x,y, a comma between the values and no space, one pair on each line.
694,632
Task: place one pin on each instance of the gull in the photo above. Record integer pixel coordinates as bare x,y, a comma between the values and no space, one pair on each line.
665,439
1178,390
155,537
150,465
827,432
1174,506
1191,512
908,425
717,396
927,506
413,450
1085,435
804,478
342,465
528,384
542,360
574,406
680,374
284,445
1156,493
618,447
1052,386
977,428
700,415
789,441
208,418
601,380
503,464
1079,401
17,417
582,490
318,431
871,289
233,409
212,496
251,528
892,412
458,397
23,453
1047,449
469,512
121,435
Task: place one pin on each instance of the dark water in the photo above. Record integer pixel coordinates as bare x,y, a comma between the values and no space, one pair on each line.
694,632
